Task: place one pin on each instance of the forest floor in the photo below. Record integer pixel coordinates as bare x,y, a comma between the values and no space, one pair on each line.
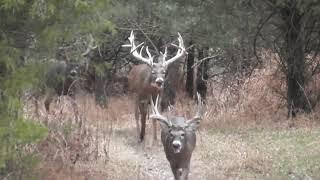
107,146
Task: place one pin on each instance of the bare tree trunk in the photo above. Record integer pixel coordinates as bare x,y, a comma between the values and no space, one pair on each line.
189,80
202,75
295,62
195,73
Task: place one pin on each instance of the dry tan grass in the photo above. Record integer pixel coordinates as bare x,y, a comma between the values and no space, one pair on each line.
222,151
240,137
258,102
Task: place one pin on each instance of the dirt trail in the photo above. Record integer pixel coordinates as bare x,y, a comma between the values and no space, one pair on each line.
150,160
119,154
145,160
134,160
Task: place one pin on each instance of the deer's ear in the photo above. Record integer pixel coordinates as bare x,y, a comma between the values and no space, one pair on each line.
163,121
194,123
164,126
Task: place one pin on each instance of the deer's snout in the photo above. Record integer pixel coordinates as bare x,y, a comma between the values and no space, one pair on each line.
176,146
159,81
73,72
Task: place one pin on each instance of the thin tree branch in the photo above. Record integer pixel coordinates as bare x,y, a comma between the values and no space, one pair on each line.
259,28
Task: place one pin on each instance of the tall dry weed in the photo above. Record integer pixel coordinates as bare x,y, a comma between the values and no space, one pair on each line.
254,102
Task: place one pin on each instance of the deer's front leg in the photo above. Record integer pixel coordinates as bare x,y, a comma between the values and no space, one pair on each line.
154,123
143,106
75,110
136,116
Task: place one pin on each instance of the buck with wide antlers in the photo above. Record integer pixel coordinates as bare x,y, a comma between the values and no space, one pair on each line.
147,80
178,138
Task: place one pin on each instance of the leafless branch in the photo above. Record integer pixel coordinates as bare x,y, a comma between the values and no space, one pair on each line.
259,28
203,59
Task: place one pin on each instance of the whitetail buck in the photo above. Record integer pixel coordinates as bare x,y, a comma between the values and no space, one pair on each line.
147,79
62,78
178,138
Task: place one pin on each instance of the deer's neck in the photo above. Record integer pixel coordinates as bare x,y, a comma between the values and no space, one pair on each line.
152,89
140,81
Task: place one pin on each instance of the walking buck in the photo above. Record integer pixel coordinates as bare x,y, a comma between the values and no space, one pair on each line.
147,80
178,138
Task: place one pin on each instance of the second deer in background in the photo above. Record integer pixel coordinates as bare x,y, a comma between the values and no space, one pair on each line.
147,80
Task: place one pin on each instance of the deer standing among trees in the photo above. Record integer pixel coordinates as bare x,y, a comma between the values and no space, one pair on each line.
147,80
62,78
59,80
178,138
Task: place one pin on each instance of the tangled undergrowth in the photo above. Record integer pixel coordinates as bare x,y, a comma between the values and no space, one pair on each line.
245,133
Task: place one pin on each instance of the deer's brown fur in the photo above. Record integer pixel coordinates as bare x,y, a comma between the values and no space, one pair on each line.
140,82
147,80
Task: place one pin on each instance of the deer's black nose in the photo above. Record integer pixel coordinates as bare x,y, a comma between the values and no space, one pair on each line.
159,81
73,73
176,144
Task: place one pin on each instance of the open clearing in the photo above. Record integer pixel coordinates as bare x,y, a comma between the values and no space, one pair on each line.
110,150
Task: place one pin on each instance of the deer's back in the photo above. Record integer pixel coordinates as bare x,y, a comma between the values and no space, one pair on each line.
56,76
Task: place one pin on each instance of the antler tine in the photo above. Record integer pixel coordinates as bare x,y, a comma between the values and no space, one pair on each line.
165,52
199,112
180,52
180,39
156,110
149,54
156,106
140,53
90,46
181,43
156,115
199,107
137,47
134,50
164,55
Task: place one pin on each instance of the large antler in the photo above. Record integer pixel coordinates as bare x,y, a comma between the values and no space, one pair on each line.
156,115
135,53
181,52
199,113
90,47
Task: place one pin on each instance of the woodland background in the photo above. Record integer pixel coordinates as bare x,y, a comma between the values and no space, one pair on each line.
255,62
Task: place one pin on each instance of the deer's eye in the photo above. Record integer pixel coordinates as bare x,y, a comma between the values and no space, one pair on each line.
182,135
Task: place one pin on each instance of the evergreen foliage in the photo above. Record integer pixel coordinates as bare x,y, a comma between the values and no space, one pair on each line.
35,32
31,33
